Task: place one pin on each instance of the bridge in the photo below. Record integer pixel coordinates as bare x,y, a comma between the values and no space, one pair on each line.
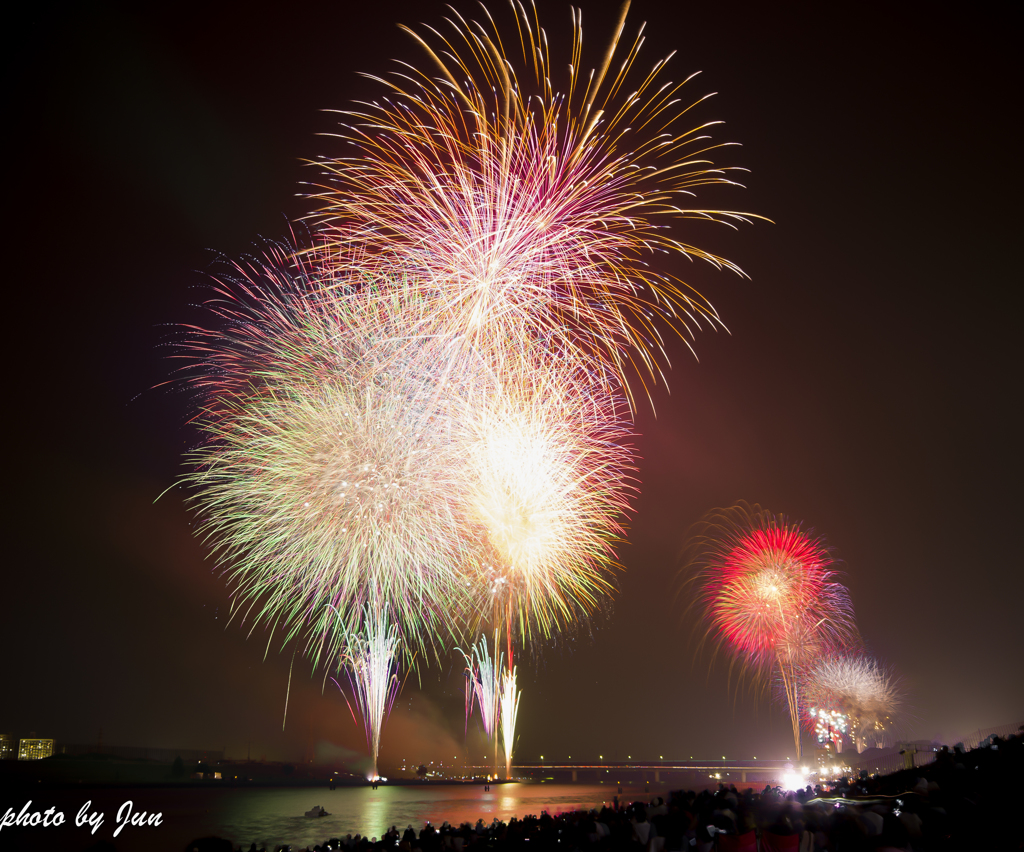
725,770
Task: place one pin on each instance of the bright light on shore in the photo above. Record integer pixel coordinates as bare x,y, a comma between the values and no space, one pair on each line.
794,778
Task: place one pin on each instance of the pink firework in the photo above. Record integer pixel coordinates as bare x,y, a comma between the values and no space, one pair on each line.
523,201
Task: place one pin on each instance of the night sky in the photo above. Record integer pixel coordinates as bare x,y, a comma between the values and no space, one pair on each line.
868,385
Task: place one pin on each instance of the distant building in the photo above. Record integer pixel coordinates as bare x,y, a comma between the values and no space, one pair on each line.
34,749
8,749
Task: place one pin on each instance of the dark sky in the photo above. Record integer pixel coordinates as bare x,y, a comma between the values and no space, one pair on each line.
869,385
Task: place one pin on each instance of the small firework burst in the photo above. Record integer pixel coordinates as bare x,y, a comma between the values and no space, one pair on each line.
860,688
828,725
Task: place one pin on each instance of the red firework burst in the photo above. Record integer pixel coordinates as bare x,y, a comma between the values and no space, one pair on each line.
769,591
770,594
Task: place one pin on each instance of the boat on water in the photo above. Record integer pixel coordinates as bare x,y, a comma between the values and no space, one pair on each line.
316,812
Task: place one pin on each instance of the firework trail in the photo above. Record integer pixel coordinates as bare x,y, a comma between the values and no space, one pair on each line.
769,596
331,471
370,659
520,211
510,696
859,688
483,685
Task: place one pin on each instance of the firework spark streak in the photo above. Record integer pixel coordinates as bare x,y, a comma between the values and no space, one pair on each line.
510,696
483,686
770,597
519,210
370,660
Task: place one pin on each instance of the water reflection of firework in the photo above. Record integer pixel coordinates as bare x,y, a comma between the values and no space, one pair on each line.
770,597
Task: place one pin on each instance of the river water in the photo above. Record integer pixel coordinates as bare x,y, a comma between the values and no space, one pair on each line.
274,816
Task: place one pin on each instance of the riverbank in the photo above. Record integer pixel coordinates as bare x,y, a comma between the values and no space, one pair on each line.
965,799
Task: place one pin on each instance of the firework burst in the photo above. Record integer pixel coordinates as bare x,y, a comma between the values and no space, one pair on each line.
331,471
423,420
828,726
769,595
549,483
522,211
862,690
549,461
